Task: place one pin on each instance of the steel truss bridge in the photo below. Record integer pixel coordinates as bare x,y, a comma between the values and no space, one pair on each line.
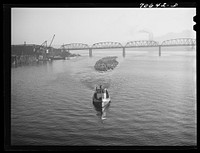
130,44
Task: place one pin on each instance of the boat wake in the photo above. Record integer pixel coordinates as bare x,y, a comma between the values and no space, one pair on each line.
93,80
90,78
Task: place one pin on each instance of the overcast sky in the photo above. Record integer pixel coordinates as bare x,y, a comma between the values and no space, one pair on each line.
91,25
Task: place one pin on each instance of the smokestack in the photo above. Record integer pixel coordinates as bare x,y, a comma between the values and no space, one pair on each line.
150,34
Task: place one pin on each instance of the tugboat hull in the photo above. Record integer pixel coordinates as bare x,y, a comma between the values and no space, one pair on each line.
102,102
101,97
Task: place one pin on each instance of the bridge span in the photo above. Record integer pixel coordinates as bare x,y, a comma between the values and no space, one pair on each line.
131,44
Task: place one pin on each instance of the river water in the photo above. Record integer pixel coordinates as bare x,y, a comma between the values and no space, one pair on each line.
153,101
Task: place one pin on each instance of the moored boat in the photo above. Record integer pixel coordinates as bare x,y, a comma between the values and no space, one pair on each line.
57,58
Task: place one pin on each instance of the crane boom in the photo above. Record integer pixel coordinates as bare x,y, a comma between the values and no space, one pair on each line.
52,40
43,45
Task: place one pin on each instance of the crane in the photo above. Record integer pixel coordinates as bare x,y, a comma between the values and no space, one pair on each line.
51,41
44,49
50,48
41,48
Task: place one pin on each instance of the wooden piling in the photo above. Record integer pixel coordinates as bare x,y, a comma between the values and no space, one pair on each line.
124,52
159,50
90,52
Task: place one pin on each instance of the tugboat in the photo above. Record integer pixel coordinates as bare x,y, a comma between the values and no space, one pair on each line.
101,97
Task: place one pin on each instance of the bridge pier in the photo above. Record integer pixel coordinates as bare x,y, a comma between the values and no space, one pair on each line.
159,50
124,52
90,52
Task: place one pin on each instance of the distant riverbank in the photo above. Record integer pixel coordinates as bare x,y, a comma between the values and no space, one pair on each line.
106,63
17,60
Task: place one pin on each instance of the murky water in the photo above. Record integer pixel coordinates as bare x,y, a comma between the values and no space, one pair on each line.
153,102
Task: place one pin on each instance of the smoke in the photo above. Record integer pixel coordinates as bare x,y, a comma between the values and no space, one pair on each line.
150,34
135,33
144,31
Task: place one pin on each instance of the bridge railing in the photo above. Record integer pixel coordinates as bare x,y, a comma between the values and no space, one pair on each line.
179,42
75,46
138,43
142,43
107,45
